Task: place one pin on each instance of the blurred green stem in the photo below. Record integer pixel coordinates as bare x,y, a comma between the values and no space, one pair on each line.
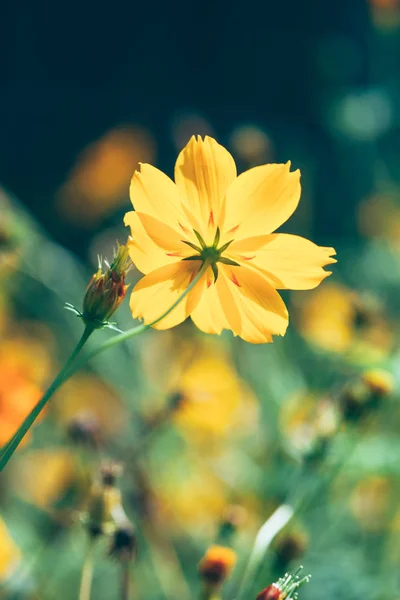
125,581
208,593
71,366
265,536
87,573
62,376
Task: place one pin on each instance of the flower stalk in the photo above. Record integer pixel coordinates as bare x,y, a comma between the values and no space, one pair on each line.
87,573
72,365
62,376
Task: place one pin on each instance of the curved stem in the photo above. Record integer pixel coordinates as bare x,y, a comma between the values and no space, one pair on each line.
140,328
62,376
265,536
87,573
71,366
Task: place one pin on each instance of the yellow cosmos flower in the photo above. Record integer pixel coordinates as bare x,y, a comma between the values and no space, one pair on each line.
212,221
10,554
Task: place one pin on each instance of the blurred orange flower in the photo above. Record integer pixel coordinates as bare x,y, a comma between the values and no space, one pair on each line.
210,219
98,182
24,365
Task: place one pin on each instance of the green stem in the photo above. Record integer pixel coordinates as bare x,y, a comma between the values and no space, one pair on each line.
62,376
281,517
140,328
71,366
87,573
276,522
125,581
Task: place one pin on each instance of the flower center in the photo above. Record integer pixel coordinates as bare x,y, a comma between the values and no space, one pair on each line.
210,255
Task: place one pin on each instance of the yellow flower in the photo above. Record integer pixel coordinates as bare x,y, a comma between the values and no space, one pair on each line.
215,401
339,319
43,477
10,554
213,219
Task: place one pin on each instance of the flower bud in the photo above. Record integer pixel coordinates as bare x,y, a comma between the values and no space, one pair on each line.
272,592
233,517
106,291
290,546
105,502
216,565
361,396
124,543
285,588
380,383
85,430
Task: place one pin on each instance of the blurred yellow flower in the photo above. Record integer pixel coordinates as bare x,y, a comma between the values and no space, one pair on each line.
10,554
212,219
338,319
215,401
370,502
190,496
85,396
307,420
42,477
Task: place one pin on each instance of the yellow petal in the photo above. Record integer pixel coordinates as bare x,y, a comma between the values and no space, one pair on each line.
164,236
203,172
243,301
145,254
263,312
159,290
209,315
260,200
155,194
288,261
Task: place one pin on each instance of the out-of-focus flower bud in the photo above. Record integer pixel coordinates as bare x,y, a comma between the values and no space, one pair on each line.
233,517
105,503
272,592
361,396
380,383
85,430
106,291
285,588
216,565
124,543
290,546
